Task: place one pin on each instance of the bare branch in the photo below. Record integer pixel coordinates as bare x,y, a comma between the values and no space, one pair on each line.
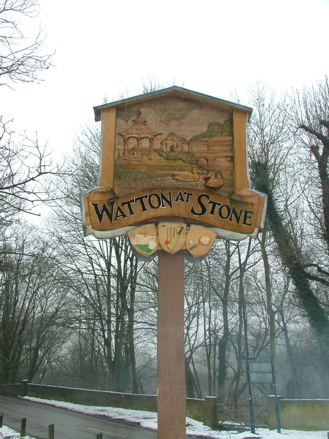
25,168
21,56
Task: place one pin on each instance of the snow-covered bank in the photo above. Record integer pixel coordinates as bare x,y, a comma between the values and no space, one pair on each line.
149,420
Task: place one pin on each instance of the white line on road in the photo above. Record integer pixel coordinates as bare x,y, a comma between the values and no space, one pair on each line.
106,432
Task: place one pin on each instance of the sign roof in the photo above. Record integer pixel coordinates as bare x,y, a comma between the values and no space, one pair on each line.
171,91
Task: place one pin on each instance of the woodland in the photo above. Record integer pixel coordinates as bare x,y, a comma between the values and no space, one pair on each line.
82,312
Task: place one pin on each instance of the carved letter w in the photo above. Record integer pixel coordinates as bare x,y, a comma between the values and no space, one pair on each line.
105,210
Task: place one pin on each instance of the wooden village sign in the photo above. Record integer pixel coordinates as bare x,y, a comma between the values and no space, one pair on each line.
173,177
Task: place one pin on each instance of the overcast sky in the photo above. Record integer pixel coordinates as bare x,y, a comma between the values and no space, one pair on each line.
107,48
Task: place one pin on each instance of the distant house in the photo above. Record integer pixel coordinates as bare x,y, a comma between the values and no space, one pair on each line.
174,143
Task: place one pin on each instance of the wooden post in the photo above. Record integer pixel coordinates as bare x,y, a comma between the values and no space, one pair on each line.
51,431
108,145
23,427
171,353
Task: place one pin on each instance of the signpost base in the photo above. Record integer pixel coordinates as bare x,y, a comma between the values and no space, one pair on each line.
171,355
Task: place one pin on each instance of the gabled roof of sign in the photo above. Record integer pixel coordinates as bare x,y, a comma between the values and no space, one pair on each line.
171,91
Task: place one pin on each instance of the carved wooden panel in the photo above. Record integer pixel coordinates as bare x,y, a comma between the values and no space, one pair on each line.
173,153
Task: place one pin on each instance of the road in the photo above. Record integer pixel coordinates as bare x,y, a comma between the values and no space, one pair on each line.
68,424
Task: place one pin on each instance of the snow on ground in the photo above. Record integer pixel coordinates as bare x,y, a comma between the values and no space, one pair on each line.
149,420
8,433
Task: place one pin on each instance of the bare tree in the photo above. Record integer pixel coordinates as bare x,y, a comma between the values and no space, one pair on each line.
24,163
100,274
309,120
21,57
24,168
292,215
31,307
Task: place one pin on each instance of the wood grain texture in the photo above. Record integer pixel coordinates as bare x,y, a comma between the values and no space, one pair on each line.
171,355
108,148
240,151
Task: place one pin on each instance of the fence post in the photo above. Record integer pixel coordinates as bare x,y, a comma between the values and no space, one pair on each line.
51,431
1,419
23,427
24,384
210,412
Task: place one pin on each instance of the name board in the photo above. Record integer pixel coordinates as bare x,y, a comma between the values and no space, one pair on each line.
105,212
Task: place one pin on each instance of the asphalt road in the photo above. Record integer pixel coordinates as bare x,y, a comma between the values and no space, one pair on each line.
68,424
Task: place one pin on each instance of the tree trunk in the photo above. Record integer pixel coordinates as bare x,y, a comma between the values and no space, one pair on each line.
223,342
268,288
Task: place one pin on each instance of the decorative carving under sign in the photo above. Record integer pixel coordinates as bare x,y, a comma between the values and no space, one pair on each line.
171,237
